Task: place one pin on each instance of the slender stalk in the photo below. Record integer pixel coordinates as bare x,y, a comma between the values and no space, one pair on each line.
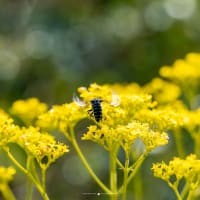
190,195
113,176
137,182
137,186
197,146
29,190
28,174
86,164
44,179
179,142
29,187
120,164
185,191
135,168
6,192
174,188
126,171
137,165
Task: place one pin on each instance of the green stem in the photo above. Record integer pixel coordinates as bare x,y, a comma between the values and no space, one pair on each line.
85,163
174,188
197,145
44,179
137,182
113,175
29,187
27,173
126,171
179,142
185,191
29,190
137,186
190,195
6,192
135,168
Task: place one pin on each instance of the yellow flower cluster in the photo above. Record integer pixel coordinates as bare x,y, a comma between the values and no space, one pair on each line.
127,113
42,146
38,145
62,117
160,119
162,91
8,131
192,123
28,110
6,175
183,70
186,74
179,169
95,91
134,118
126,116
125,136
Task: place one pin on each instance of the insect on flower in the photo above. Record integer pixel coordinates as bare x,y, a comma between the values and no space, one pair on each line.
96,109
96,105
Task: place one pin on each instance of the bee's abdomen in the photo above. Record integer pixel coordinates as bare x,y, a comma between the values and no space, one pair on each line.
97,109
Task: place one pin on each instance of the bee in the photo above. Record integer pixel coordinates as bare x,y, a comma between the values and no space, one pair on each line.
96,105
96,109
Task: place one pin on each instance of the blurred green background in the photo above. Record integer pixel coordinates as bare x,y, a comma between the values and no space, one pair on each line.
49,48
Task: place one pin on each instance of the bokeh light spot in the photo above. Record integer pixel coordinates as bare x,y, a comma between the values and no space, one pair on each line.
124,22
9,65
156,17
180,9
38,44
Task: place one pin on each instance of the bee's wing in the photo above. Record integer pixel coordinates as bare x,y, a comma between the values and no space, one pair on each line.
78,101
115,100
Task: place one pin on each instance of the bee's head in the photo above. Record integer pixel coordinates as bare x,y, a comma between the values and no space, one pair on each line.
96,100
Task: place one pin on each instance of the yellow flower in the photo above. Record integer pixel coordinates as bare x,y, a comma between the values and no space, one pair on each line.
192,123
125,136
128,103
126,89
188,169
185,73
162,91
6,174
183,70
28,110
160,119
8,131
42,146
62,117
95,91
132,119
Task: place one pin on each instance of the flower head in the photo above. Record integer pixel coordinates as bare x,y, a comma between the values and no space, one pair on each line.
160,119
62,117
8,131
163,91
134,118
6,175
189,170
183,70
28,110
125,136
41,145
186,74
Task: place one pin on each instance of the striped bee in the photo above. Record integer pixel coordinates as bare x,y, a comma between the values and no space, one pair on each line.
96,107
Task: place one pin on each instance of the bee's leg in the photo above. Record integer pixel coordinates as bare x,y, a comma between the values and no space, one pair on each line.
90,112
